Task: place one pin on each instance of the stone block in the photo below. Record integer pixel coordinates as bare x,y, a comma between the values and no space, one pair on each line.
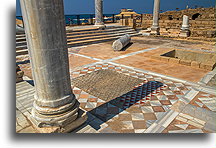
174,60
185,62
165,59
195,64
184,33
207,66
167,21
163,30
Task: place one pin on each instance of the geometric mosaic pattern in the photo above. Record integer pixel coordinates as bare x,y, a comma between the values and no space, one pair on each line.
185,123
138,109
206,101
146,104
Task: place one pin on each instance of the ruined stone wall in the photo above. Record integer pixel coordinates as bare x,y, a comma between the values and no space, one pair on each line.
194,14
202,22
194,24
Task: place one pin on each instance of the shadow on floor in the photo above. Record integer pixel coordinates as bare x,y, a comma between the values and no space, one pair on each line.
114,107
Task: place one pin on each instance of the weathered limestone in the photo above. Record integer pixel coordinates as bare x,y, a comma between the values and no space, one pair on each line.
19,74
121,42
55,108
99,14
155,26
185,27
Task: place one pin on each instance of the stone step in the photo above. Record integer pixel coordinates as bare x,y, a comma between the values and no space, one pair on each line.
21,52
97,34
24,51
81,43
89,30
98,31
95,28
21,43
21,47
79,37
99,37
18,40
20,35
24,46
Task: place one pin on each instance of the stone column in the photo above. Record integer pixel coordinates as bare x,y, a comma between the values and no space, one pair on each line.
99,13
185,32
155,26
55,108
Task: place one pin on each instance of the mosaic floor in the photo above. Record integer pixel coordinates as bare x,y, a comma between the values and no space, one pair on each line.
137,110
127,92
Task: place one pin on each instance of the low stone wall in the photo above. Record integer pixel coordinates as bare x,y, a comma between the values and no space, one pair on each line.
203,33
195,59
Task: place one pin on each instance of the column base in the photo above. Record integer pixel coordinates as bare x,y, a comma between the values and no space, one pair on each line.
184,33
155,31
100,26
70,126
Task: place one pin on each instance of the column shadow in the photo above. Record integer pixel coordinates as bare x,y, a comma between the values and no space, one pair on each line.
139,95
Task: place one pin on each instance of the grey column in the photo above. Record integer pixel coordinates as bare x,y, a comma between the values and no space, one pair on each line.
155,25
99,13
55,104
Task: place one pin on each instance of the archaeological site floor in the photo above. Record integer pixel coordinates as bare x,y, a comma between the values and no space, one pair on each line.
146,95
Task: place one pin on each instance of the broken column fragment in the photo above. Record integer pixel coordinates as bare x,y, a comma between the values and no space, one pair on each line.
121,42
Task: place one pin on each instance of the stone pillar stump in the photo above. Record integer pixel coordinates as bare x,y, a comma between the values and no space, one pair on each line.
185,32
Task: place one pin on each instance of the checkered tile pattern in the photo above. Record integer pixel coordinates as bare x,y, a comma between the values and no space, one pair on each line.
136,110
129,122
206,101
151,87
184,123
87,101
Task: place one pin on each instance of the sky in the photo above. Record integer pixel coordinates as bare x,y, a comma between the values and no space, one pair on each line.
114,6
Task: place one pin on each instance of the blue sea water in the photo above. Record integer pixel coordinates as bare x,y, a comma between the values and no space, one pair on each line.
72,19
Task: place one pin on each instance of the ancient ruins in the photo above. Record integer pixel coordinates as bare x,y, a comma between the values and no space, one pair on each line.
70,80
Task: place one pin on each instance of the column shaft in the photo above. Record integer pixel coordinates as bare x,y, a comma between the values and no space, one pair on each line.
99,13
46,40
185,23
155,24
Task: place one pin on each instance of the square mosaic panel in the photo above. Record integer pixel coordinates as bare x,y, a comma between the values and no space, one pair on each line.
106,84
145,100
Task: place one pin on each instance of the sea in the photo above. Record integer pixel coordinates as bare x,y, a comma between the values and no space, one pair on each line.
72,19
